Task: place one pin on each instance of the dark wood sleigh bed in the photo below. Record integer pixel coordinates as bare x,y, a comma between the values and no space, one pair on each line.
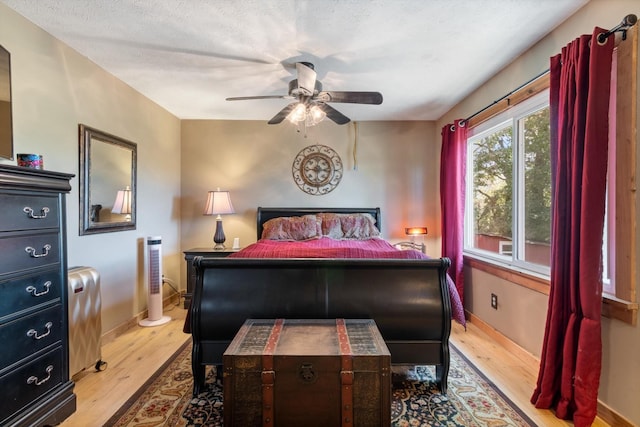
408,299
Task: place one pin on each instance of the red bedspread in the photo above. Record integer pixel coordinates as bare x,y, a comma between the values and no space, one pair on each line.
326,247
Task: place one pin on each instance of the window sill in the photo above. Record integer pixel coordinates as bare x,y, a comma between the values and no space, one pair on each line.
612,307
615,308
529,281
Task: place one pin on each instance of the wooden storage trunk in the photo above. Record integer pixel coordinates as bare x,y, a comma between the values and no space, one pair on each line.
312,372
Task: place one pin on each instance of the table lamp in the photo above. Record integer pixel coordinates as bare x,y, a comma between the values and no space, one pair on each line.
417,233
122,205
218,203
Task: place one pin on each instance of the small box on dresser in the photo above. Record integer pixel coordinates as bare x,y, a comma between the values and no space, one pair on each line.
35,388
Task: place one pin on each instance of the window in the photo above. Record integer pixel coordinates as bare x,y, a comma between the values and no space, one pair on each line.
505,247
609,232
509,187
619,246
518,120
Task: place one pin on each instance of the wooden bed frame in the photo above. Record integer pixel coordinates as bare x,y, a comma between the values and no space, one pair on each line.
408,299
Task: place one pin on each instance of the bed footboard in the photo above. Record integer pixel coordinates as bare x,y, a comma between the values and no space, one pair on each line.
408,299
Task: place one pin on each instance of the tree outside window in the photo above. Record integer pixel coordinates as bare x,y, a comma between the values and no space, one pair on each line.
510,170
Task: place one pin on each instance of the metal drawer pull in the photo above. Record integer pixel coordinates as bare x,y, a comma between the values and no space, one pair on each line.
33,333
44,211
34,380
31,251
34,292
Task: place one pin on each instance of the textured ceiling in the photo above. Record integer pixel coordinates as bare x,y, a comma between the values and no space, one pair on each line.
424,56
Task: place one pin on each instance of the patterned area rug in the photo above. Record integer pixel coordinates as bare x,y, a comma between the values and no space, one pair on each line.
472,400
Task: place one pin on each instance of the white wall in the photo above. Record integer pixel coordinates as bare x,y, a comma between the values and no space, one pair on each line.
523,312
53,90
397,166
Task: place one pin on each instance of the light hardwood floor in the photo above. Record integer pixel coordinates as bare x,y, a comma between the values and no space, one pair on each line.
132,358
136,354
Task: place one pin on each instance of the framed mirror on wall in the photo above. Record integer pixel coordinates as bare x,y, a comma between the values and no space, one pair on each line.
6,123
107,182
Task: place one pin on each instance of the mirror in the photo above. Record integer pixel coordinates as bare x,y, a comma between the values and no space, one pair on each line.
6,126
107,182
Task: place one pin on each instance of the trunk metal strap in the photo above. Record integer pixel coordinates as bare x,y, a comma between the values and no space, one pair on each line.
346,375
268,374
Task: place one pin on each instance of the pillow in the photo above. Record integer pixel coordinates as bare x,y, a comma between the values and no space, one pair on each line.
331,225
292,228
358,226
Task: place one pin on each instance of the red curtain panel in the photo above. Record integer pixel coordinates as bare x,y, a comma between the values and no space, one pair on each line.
572,349
453,165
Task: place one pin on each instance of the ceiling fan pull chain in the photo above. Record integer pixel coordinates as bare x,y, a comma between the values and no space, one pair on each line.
355,146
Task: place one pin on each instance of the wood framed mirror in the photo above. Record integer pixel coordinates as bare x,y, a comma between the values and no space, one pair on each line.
6,122
107,182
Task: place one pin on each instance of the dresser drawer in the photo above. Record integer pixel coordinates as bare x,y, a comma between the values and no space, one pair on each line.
24,252
28,212
22,293
30,381
30,334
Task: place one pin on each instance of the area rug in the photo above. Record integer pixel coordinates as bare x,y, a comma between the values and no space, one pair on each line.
472,400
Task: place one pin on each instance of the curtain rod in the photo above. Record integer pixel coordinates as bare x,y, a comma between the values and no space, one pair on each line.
628,21
465,121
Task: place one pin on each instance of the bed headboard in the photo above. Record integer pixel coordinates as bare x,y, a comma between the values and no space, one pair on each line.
265,214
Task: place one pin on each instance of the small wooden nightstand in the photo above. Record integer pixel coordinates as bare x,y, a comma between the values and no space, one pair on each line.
189,255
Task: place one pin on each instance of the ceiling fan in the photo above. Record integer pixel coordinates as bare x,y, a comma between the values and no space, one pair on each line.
311,105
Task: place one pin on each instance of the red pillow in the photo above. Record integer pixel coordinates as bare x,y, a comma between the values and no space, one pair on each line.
292,228
357,226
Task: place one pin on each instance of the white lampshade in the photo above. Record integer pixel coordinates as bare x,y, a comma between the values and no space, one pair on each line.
122,205
218,203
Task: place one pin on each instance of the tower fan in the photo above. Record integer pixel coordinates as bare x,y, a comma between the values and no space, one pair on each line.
154,284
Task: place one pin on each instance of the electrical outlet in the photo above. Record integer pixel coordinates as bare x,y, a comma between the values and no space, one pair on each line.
494,301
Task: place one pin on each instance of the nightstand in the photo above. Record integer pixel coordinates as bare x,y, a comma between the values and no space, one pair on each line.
189,255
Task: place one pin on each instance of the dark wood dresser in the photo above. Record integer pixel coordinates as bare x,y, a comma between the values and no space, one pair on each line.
35,388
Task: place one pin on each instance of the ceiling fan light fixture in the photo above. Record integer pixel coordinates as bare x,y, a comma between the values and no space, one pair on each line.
298,114
309,115
315,115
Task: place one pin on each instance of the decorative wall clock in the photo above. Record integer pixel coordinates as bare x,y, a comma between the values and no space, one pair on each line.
317,169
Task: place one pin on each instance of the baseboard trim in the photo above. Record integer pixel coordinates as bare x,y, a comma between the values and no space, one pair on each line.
114,333
605,413
501,339
611,417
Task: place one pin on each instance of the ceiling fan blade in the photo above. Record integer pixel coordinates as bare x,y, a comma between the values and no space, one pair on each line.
351,97
306,77
242,98
334,114
278,118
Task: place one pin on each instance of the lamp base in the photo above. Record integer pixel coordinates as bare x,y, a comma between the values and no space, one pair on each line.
219,237
219,247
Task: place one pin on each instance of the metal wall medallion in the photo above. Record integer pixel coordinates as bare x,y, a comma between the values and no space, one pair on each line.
317,169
